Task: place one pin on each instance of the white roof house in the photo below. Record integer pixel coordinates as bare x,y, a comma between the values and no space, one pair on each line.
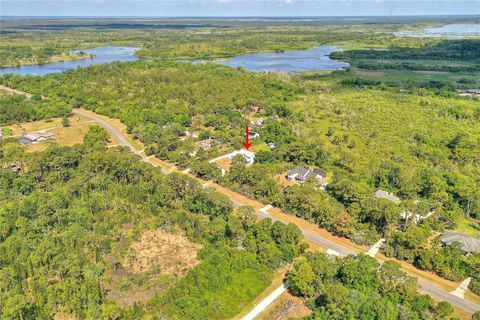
249,156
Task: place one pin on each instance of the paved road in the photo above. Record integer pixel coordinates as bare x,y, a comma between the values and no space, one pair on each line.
266,302
118,135
425,286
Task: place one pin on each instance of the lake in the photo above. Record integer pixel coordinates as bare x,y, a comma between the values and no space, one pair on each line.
448,30
105,54
314,59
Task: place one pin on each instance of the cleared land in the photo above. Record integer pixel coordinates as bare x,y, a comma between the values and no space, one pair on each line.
150,265
64,136
173,254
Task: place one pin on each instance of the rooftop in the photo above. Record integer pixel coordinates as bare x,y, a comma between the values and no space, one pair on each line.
469,244
298,170
300,173
37,135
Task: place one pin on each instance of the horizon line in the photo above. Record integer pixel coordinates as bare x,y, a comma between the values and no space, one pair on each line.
243,17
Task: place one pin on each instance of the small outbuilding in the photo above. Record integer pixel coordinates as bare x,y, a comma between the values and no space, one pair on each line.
271,145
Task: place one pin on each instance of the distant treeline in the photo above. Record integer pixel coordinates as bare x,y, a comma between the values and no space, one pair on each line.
468,50
380,65
361,82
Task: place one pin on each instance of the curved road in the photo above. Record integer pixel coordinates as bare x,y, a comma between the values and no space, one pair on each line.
425,286
118,135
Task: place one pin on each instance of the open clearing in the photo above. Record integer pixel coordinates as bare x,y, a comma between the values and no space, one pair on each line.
173,254
64,136
224,163
23,128
150,266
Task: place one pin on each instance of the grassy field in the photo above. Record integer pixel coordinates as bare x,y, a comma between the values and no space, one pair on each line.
64,136
23,128
467,226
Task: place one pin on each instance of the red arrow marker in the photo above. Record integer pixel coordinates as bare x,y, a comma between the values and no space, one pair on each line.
246,144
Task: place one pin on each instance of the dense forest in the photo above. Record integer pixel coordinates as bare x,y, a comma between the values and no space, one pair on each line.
63,216
466,50
16,108
360,288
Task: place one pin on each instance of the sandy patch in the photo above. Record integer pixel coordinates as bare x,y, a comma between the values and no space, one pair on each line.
173,254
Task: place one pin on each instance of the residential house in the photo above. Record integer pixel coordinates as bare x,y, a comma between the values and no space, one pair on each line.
381,194
248,156
257,122
37,137
469,92
468,244
15,168
301,174
271,145
253,135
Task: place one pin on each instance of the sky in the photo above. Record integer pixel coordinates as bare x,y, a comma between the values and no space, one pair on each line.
237,8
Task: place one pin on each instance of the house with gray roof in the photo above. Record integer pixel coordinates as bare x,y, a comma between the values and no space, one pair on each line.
468,244
301,174
381,194
36,137
469,92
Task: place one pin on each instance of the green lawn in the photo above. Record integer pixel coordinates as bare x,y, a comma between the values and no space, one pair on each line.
467,226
